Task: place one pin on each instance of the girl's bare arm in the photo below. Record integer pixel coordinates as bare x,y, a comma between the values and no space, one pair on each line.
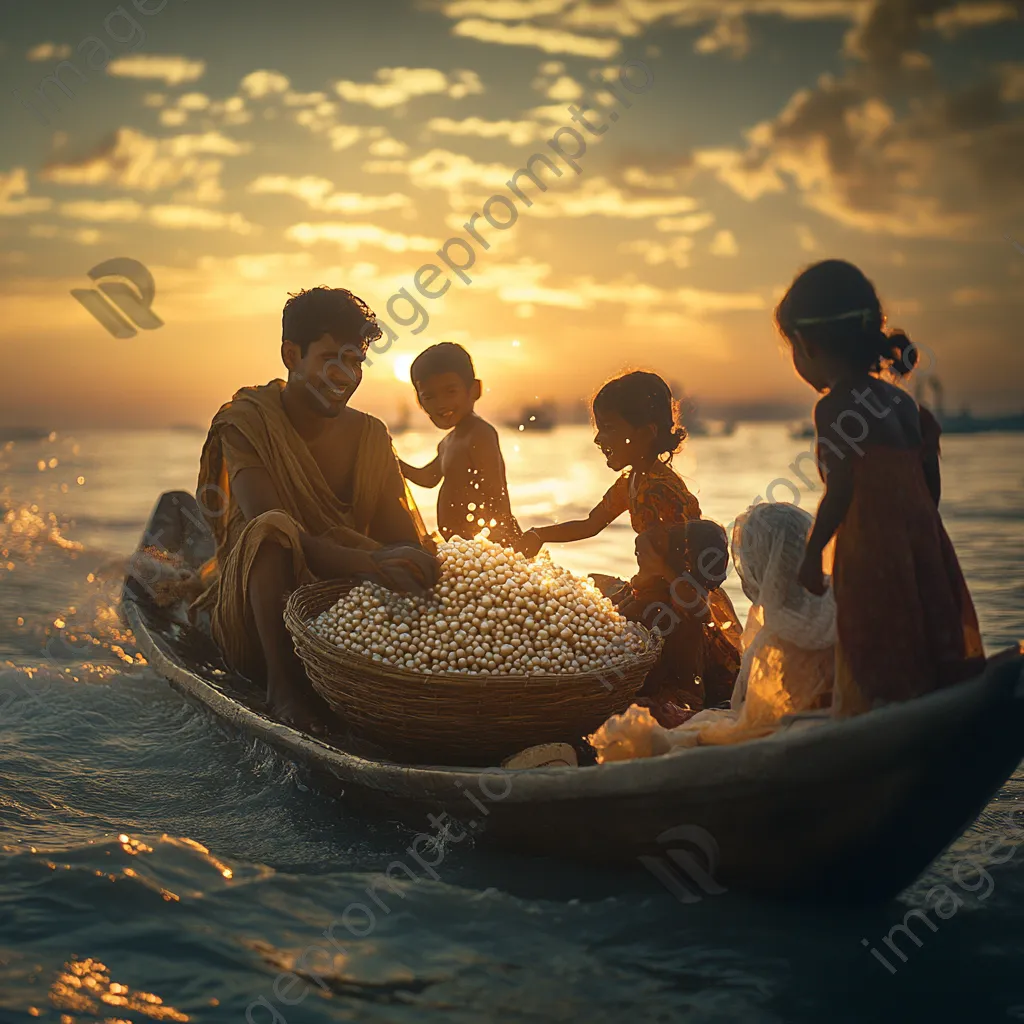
562,533
833,508
838,466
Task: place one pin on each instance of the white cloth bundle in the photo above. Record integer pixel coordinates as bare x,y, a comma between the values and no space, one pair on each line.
788,646
768,543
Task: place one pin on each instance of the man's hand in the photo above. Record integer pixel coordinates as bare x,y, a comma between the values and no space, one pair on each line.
529,544
810,576
406,568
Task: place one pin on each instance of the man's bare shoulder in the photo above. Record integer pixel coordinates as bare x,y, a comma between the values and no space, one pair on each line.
236,439
358,416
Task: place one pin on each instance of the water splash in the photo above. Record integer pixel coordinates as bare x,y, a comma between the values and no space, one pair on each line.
26,532
60,601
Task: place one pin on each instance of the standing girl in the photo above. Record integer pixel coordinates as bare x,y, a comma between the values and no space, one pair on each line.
904,618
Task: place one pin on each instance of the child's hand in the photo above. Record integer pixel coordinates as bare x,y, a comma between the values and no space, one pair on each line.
529,544
810,576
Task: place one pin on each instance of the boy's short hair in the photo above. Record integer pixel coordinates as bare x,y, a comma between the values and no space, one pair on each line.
446,357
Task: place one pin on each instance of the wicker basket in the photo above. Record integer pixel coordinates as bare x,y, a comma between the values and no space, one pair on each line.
455,718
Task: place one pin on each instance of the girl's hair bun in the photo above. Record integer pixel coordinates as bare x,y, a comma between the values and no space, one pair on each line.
674,439
899,351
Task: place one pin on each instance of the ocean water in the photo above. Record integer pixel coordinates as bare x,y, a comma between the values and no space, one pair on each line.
154,867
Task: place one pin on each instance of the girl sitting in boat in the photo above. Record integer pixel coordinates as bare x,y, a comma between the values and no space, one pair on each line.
638,433
789,647
681,572
905,621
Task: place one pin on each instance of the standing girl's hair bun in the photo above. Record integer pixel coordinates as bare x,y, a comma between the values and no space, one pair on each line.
833,304
899,351
640,398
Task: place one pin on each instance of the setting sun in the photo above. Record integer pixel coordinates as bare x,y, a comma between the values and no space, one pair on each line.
401,365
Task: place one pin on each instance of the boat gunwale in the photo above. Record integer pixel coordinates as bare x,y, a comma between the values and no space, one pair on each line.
889,731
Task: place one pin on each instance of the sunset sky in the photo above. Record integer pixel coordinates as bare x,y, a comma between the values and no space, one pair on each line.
242,149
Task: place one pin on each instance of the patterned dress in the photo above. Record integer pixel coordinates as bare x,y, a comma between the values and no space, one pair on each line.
904,616
657,497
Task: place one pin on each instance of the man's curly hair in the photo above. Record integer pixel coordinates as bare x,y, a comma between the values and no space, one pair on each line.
314,312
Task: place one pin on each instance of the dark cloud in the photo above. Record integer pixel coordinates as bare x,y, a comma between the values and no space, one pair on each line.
894,27
886,148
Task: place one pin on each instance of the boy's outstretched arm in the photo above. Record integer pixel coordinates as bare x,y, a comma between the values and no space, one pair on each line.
429,476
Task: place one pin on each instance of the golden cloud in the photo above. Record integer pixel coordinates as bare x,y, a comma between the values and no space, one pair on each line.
132,160
320,194
518,133
550,40
724,244
49,51
675,251
168,216
352,237
396,86
940,171
172,70
259,84
14,198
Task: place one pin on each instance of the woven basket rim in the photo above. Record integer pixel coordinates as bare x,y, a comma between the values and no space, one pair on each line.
299,625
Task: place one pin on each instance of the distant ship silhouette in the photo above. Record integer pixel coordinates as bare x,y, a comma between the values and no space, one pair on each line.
963,422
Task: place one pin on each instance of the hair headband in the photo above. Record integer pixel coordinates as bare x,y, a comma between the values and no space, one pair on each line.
852,314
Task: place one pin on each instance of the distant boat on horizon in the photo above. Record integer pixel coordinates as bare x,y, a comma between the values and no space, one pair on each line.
541,417
694,422
964,422
24,433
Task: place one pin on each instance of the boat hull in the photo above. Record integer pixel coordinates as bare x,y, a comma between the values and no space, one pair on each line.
850,810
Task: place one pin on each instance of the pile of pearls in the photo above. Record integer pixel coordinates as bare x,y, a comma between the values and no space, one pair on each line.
493,611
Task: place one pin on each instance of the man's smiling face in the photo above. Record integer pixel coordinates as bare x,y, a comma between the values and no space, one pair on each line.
328,372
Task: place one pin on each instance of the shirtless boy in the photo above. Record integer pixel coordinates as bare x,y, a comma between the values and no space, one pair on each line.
474,494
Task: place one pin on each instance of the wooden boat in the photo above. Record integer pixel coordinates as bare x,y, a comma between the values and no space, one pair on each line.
850,810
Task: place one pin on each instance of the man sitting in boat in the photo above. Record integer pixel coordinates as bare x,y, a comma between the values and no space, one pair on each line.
295,486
